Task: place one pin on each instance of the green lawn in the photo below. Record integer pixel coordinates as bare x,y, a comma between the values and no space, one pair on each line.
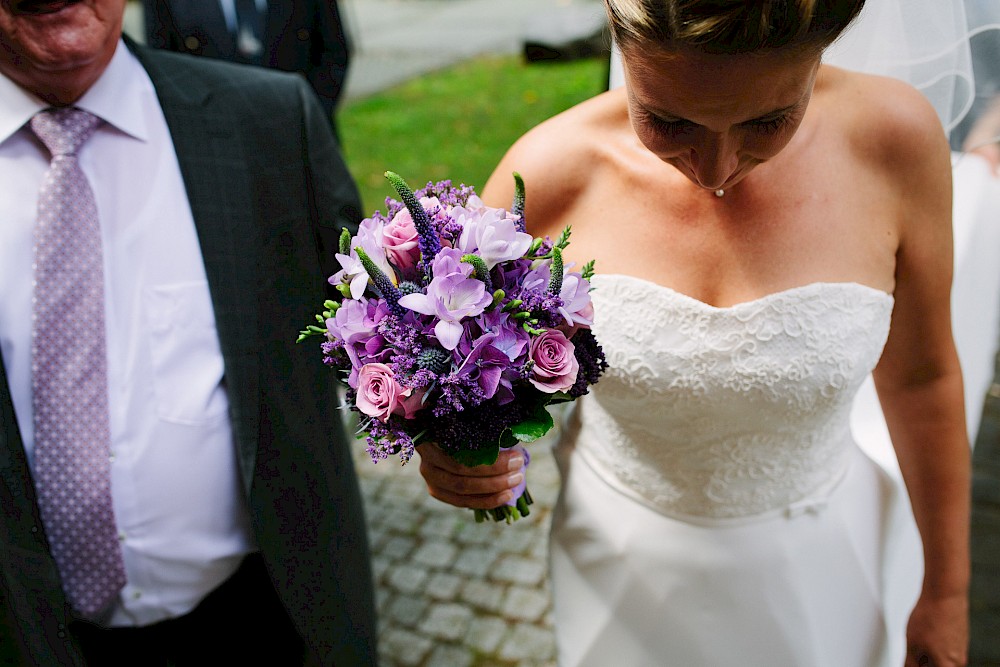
457,123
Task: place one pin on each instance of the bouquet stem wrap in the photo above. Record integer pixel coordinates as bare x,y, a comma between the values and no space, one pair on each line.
517,507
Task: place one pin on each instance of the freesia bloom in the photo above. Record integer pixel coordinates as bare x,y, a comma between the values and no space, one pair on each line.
575,294
353,272
489,233
452,296
555,364
379,395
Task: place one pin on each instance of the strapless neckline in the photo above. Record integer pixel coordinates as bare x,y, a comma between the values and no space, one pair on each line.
798,290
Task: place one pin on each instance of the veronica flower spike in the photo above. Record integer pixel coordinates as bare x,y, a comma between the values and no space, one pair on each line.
382,283
517,208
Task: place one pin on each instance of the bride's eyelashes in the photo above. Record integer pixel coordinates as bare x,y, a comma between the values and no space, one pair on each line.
766,125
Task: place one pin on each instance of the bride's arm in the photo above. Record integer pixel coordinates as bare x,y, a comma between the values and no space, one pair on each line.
919,382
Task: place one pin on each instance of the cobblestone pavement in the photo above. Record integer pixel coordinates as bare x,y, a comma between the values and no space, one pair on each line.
451,592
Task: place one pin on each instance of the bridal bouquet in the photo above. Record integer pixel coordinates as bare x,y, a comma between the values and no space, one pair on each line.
455,326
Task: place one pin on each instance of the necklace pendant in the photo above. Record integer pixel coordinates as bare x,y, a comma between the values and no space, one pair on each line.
720,192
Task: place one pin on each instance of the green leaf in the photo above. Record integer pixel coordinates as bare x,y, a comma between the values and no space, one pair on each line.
534,427
563,239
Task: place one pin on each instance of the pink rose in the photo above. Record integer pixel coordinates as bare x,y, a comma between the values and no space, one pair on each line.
379,395
555,366
401,240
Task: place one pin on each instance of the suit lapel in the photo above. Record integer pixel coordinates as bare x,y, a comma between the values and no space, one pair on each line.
219,188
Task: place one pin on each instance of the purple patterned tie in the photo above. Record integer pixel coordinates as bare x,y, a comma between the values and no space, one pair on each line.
72,463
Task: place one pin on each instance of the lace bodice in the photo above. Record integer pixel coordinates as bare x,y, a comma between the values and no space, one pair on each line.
728,412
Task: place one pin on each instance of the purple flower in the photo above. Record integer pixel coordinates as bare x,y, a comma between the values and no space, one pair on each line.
451,297
353,272
351,324
485,364
577,307
489,233
555,365
505,335
356,324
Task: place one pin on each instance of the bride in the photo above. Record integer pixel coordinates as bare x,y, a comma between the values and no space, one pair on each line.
767,230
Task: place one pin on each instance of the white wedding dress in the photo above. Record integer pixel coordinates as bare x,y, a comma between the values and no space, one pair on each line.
715,508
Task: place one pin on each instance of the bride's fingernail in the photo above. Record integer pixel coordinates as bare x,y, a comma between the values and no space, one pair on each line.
516,463
506,497
515,479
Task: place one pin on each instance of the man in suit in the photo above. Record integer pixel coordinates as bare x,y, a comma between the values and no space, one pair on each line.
232,529
304,36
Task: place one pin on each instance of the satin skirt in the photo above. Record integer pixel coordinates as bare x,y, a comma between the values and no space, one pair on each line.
808,586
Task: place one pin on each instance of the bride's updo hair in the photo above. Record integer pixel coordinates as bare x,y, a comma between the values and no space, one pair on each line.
730,26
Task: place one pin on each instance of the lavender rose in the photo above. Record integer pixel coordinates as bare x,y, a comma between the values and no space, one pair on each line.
379,395
555,365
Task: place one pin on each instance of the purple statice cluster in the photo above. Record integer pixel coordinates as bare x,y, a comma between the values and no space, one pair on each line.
456,326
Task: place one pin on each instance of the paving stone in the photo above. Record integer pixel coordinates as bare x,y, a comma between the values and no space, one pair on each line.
443,586
448,621
406,610
518,538
380,565
519,570
482,595
485,633
475,562
403,520
437,554
407,579
447,655
382,597
527,604
404,647
442,525
528,642
397,547
473,533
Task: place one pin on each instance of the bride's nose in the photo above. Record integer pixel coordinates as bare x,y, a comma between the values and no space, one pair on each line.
714,160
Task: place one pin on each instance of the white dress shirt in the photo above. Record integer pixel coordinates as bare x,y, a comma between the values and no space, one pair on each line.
175,483
229,11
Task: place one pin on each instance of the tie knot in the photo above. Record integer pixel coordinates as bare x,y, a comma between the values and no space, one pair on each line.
64,130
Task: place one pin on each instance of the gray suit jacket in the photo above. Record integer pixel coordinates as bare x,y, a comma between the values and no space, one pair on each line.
270,193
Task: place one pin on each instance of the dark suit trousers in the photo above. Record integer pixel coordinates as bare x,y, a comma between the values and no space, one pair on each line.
242,622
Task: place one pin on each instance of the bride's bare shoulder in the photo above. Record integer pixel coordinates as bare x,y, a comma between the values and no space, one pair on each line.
885,121
560,157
